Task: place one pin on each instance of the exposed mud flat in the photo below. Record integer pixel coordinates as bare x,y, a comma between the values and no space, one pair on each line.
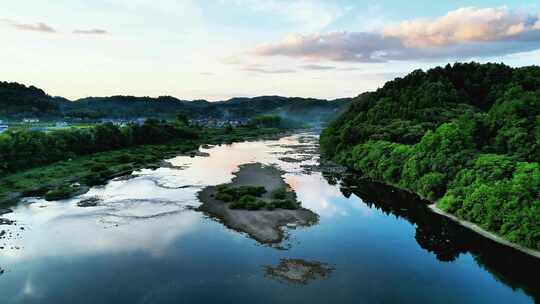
265,226
299,272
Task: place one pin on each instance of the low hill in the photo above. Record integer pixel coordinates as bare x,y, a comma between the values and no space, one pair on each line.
466,136
18,101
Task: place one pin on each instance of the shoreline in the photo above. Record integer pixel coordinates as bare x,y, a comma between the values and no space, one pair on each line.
489,235
38,187
432,206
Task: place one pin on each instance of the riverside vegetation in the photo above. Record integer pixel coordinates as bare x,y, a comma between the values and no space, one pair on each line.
466,136
249,198
63,163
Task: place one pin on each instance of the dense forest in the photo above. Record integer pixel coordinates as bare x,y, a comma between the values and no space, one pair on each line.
466,136
23,149
18,101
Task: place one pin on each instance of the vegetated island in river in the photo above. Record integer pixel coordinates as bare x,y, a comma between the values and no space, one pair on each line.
464,136
257,202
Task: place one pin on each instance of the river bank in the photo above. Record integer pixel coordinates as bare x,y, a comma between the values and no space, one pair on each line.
146,226
432,206
73,177
484,233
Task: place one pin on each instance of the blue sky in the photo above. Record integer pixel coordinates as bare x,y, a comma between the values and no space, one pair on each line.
216,49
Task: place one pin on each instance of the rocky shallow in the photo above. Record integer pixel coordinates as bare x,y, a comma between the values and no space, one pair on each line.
296,271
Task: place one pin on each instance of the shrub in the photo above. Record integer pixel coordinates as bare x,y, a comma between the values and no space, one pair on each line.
228,194
279,194
251,190
62,192
244,202
284,204
225,197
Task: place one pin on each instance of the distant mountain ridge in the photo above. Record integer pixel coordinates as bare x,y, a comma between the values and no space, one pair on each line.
18,101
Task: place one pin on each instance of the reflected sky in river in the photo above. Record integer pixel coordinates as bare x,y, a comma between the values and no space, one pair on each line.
145,243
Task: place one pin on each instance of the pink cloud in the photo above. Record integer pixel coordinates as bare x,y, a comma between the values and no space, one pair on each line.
466,32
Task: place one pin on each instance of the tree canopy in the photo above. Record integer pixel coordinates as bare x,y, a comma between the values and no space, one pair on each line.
466,136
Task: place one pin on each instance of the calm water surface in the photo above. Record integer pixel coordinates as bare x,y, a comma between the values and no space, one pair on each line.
144,243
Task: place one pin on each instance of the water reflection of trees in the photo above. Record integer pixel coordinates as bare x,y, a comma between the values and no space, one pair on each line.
444,238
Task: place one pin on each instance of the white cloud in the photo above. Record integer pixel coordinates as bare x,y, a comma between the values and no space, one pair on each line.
317,67
537,24
466,32
90,32
258,68
335,46
462,25
32,27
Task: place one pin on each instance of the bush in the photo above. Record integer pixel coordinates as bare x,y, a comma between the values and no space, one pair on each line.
248,202
279,194
98,167
60,193
93,179
284,204
225,197
250,190
228,194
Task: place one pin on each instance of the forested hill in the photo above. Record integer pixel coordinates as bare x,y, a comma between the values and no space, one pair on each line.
465,135
131,106
18,101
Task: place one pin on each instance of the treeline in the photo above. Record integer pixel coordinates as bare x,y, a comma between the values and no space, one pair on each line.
21,150
131,106
18,101
466,136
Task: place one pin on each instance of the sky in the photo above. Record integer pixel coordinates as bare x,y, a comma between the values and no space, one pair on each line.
218,49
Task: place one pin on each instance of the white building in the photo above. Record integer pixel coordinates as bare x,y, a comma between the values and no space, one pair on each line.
30,120
3,128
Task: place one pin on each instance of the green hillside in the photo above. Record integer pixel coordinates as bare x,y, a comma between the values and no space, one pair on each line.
466,136
17,101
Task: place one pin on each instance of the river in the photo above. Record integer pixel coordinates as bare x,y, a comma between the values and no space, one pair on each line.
145,242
